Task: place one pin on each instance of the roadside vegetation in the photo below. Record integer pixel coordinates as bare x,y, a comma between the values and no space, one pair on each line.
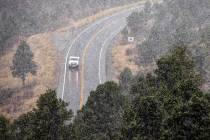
165,104
26,72
158,27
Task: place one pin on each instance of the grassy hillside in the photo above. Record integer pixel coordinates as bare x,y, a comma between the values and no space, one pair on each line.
26,17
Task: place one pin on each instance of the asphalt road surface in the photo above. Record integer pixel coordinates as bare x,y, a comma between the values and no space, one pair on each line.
90,45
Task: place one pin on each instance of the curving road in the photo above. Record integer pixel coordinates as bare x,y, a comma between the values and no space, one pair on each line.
90,45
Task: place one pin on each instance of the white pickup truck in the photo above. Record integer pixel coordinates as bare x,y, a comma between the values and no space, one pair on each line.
73,62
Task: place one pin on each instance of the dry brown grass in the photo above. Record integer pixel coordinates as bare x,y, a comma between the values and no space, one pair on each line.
121,59
127,55
24,99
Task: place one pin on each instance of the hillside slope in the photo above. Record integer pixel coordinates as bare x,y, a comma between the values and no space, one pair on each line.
27,17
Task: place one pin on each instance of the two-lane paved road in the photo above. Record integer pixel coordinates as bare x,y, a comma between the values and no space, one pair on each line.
90,45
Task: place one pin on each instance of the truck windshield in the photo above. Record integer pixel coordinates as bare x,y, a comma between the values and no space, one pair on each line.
73,58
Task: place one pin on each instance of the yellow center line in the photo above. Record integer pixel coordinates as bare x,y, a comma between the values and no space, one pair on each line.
83,62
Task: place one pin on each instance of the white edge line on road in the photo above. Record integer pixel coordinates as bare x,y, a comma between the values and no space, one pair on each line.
81,33
100,56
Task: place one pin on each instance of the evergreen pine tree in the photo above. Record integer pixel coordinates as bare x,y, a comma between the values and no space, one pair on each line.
23,63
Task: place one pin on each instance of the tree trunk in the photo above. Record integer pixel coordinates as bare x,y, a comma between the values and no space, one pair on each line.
23,81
